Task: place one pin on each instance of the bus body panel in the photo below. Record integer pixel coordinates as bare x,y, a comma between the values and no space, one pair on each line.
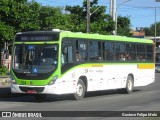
103,75
99,77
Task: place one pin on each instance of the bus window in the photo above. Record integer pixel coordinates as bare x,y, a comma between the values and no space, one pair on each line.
141,52
108,51
67,52
67,55
81,50
119,49
130,52
94,51
150,54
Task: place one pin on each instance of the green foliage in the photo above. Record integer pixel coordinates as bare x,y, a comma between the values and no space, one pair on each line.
123,25
150,31
21,15
100,22
6,31
3,70
147,31
18,15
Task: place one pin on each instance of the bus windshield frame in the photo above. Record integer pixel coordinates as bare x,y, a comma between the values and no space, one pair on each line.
35,59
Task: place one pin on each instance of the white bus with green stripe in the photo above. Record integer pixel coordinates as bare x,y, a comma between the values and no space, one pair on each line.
64,62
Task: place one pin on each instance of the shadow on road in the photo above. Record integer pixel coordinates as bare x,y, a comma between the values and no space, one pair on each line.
55,98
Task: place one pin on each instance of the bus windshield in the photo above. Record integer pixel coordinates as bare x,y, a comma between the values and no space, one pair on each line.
35,59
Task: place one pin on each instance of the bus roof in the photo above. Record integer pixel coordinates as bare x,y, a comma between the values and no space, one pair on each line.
104,37
88,36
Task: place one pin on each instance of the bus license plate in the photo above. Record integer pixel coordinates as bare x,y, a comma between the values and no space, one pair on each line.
31,91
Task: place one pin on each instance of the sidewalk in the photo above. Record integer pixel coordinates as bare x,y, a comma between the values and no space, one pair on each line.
5,87
5,90
4,81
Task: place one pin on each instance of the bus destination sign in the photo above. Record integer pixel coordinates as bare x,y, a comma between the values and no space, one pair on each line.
36,37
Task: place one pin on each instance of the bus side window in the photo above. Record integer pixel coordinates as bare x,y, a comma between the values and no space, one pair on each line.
108,51
141,52
81,50
67,55
67,58
119,49
78,56
95,51
130,51
150,55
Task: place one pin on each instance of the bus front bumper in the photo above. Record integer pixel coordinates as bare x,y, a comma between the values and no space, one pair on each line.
48,89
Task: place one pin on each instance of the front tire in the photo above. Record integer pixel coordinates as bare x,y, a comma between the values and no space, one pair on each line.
80,90
129,85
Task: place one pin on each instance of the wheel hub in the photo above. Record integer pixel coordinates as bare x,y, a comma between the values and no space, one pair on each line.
79,90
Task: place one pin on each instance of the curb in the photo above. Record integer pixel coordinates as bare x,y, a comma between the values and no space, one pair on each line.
5,90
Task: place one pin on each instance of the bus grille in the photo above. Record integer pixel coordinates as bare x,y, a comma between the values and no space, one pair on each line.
40,76
37,89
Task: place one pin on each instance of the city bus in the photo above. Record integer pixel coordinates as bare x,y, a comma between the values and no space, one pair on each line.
64,62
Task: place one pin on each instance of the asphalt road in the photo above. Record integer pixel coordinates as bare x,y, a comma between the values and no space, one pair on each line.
142,99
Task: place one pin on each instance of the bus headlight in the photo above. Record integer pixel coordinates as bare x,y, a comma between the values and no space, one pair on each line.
53,80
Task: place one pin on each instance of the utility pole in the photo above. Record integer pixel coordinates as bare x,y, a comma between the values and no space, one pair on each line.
155,23
88,16
116,14
113,14
155,30
111,9
114,10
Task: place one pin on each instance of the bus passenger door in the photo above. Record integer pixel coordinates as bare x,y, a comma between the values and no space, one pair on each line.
109,77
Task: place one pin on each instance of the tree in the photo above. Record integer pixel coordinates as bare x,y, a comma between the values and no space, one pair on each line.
100,21
123,25
147,31
77,18
150,31
52,17
6,32
49,17
29,17
18,15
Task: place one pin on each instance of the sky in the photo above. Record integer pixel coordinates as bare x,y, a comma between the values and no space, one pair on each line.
140,12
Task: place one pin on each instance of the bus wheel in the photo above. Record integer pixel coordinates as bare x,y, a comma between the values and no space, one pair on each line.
40,97
80,90
129,85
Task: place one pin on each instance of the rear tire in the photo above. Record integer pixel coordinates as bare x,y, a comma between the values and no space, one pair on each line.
80,90
129,85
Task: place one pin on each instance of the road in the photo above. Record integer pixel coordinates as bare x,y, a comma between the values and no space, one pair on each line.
142,99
